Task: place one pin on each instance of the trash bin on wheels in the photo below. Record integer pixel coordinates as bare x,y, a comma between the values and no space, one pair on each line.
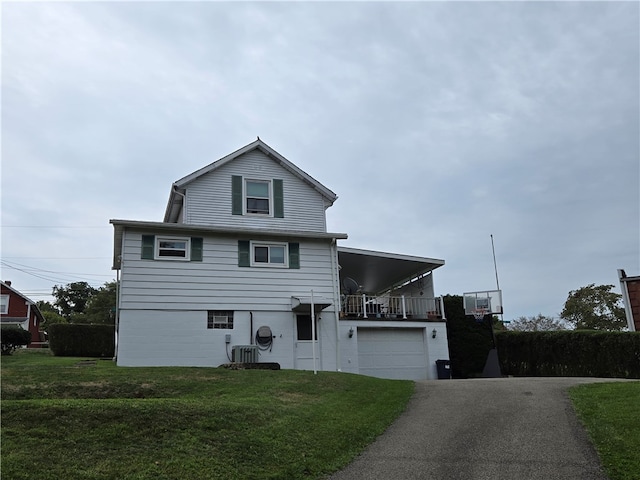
444,369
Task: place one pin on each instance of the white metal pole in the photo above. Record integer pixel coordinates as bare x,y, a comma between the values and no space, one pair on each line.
313,333
495,267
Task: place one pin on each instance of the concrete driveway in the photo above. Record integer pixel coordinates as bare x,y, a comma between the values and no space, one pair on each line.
505,428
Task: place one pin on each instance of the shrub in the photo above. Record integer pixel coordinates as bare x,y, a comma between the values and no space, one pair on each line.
12,338
570,353
79,340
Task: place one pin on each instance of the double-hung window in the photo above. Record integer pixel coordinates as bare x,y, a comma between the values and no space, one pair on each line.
254,196
4,304
269,254
258,197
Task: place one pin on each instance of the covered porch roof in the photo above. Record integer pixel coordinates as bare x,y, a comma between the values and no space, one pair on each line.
377,272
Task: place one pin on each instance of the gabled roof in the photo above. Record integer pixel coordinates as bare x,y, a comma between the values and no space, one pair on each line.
177,189
33,304
9,287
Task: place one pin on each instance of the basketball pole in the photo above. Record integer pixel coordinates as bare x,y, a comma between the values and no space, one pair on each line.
495,268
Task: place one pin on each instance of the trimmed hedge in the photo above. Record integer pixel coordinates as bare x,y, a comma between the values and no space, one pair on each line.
571,353
12,338
469,341
79,340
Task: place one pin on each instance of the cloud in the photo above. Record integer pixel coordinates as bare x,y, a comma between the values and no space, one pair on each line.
437,124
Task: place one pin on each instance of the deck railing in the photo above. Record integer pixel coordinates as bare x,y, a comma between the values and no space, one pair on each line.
386,307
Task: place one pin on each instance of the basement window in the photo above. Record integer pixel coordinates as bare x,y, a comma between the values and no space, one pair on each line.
220,319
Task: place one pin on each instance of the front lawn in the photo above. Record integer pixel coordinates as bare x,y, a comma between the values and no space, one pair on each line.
78,418
611,414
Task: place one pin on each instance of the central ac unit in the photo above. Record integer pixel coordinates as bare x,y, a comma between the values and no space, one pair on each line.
244,354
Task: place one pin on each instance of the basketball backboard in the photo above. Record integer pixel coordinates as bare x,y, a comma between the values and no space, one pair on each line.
488,302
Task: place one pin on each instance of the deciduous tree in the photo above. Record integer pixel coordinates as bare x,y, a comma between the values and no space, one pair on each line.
594,307
538,323
73,298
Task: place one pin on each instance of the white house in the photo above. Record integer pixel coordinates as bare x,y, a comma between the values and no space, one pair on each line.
241,264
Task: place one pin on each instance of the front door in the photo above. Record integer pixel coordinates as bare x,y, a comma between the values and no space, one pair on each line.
304,344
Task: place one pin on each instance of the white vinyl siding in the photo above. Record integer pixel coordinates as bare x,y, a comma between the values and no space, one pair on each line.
209,197
218,282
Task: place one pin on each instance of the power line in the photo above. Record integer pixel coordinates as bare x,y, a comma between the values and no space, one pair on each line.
58,278
61,258
56,226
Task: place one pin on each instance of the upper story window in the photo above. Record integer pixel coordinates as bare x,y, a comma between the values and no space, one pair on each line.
250,196
271,254
160,247
4,304
172,248
258,197
268,254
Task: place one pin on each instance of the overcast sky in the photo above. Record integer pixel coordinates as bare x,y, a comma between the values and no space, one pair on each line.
437,124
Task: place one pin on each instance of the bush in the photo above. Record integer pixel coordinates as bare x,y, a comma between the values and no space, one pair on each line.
12,338
78,340
571,353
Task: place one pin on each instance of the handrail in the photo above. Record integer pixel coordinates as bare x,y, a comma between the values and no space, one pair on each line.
392,307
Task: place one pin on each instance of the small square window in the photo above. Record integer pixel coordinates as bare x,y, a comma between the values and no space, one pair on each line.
258,197
220,319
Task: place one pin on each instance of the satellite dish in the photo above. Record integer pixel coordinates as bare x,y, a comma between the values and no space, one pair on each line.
350,286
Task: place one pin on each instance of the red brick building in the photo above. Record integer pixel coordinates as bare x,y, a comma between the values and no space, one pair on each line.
18,310
630,287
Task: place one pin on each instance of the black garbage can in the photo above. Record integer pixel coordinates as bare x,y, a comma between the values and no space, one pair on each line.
444,369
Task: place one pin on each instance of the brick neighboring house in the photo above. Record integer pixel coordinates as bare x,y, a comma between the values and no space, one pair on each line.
630,287
17,309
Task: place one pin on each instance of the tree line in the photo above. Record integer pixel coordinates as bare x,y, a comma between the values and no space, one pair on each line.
594,307
79,302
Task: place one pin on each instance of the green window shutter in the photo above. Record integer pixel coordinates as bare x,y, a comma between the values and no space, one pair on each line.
236,195
148,247
196,249
278,199
294,255
244,254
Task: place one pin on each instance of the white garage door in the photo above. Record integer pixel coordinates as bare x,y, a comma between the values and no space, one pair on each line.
392,353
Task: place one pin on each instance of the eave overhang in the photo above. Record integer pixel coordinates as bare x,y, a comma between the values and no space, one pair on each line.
379,272
303,304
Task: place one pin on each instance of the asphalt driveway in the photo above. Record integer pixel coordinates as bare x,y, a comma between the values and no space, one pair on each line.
506,428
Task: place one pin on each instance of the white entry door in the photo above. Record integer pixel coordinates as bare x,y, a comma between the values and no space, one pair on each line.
397,353
304,344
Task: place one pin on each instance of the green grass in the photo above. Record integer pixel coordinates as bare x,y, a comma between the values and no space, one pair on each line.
64,418
611,414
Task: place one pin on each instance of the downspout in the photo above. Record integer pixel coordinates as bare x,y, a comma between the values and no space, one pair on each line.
117,316
336,298
184,203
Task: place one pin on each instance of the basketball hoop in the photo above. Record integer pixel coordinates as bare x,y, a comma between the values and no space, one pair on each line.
479,314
